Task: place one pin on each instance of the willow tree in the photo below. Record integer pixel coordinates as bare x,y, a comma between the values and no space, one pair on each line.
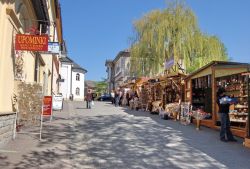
172,33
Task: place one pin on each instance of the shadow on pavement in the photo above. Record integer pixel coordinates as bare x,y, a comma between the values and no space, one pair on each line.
81,108
133,140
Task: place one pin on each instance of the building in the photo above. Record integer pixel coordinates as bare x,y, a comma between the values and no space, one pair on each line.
110,75
72,79
90,85
118,70
29,67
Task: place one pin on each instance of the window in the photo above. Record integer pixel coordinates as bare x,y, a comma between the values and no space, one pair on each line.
77,91
77,77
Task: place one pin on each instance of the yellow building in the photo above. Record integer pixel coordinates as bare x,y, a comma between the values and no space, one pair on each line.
25,17
32,17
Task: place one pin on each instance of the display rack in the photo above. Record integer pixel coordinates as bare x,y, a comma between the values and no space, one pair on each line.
202,94
236,86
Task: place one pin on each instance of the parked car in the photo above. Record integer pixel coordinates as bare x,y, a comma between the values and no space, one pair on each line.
105,97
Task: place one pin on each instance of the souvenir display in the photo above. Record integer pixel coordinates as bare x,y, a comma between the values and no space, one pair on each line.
202,94
236,87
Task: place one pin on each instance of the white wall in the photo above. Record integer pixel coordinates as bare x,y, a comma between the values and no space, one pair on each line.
65,86
79,84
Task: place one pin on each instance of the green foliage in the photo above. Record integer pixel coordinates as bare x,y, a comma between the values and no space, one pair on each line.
172,32
101,87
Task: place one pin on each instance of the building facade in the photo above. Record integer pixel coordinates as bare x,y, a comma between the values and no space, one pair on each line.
118,70
72,79
29,17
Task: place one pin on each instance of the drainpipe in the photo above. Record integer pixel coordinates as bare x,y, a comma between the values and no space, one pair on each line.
71,82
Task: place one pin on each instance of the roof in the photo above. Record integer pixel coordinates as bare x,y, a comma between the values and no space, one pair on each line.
66,59
89,83
75,66
216,63
124,53
108,62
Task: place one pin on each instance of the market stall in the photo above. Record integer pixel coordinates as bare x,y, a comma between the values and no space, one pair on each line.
201,87
173,93
146,97
156,94
138,95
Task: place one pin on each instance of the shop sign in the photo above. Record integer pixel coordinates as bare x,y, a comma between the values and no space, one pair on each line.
53,47
31,42
57,102
169,63
47,106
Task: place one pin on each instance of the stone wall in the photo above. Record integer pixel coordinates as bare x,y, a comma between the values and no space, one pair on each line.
7,122
29,99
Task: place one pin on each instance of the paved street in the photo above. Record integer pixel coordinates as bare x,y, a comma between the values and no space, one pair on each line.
108,137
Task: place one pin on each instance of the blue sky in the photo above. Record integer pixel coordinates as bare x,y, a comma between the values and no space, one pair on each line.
96,30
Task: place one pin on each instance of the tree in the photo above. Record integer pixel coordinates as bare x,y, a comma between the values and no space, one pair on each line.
172,32
101,87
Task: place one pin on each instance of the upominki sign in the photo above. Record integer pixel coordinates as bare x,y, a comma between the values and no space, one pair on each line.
31,42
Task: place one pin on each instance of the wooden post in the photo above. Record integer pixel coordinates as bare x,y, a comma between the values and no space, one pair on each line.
214,88
246,143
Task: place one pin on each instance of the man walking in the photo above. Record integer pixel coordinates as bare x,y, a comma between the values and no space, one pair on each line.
89,99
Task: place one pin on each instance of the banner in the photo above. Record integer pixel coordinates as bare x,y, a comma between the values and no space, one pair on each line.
47,106
169,63
31,42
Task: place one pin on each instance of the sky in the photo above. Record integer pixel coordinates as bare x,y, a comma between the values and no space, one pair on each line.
96,30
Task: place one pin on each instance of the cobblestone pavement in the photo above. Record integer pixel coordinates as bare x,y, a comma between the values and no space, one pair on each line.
108,137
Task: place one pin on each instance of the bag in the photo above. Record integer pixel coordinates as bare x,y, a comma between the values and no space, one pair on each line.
92,103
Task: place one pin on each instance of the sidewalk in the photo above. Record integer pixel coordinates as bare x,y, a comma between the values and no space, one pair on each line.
27,140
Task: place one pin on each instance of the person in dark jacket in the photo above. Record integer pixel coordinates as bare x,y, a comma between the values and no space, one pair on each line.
224,102
89,99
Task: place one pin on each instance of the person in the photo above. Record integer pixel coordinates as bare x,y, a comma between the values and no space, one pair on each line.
89,99
224,102
120,98
124,99
128,98
112,97
117,98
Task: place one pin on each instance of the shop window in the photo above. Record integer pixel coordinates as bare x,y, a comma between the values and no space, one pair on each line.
77,91
77,77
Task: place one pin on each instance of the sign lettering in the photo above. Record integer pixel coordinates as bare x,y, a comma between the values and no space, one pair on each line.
47,106
31,42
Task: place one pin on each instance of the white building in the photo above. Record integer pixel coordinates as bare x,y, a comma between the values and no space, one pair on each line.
72,79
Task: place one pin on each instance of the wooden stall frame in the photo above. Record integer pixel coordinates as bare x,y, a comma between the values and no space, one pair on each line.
212,123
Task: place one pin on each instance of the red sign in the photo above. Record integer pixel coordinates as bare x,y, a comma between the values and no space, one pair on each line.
32,42
47,105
